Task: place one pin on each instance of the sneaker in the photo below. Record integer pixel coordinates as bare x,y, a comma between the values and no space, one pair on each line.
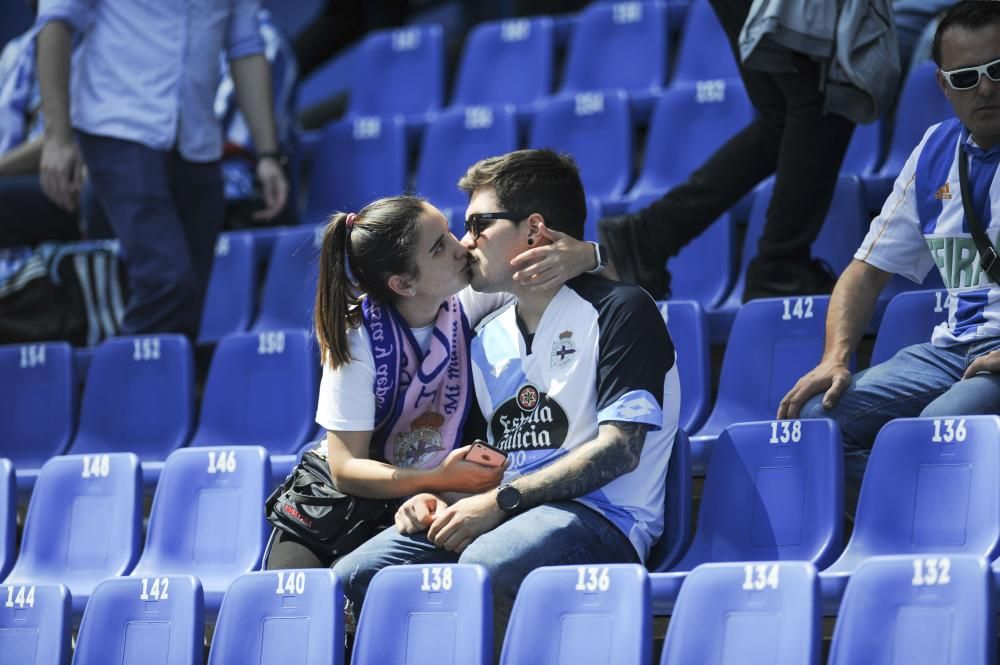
781,279
632,257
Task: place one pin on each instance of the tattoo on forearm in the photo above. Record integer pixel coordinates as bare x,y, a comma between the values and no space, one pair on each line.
587,468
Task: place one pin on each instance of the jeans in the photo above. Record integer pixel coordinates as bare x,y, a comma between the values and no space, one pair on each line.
167,213
920,380
561,533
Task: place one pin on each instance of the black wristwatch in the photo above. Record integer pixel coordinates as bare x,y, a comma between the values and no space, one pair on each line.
276,155
602,258
508,498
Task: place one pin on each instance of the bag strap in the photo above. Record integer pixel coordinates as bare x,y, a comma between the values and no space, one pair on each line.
987,252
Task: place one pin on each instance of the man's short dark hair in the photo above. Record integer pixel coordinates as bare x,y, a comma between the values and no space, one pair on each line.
530,181
968,14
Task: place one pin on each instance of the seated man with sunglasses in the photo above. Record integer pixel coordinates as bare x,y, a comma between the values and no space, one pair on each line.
924,225
579,389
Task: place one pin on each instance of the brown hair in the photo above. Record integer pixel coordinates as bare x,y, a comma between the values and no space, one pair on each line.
969,14
381,242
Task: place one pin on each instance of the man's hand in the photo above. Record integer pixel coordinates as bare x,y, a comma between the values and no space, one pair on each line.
455,474
274,187
417,512
62,171
551,265
834,378
989,362
455,528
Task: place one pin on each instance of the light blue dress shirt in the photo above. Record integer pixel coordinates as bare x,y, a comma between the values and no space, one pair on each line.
148,70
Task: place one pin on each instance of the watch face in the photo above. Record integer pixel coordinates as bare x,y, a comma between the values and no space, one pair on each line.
508,497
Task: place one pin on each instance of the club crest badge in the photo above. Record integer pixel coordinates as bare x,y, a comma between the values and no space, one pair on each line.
563,350
527,397
423,441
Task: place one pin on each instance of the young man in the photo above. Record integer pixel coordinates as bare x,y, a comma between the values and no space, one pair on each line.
923,224
579,389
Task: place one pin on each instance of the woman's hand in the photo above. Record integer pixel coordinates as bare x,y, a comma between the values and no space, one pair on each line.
455,474
418,512
553,264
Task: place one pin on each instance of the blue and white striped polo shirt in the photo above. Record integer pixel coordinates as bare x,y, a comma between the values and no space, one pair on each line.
924,212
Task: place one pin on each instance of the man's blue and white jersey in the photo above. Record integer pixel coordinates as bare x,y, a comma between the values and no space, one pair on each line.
601,353
924,212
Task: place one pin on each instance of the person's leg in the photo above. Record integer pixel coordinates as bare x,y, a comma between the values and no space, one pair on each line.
29,218
131,184
977,395
562,533
287,552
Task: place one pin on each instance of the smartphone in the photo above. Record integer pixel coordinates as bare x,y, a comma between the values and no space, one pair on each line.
485,454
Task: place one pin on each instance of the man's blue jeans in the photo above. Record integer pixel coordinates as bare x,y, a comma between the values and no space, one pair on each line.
562,533
920,380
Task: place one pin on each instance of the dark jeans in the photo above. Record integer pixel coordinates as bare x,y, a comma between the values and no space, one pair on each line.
29,218
791,138
167,212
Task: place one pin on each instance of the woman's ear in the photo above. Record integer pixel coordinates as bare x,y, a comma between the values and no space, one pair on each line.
402,285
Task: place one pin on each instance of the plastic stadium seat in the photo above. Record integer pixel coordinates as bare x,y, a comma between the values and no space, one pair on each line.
37,405
261,390
863,152
581,614
909,319
357,161
934,608
590,223
84,524
456,140
399,71
689,332
930,489
231,299
286,616
506,62
136,621
35,623
736,613
139,397
8,516
925,105
773,342
595,129
207,518
619,46
704,52
773,492
425,614
677,508
289,290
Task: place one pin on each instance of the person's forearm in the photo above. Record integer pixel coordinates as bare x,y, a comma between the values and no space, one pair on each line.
54,47
252,79
851,307
377,480
22,160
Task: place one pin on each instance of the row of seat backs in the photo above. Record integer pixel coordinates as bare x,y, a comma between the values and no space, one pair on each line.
84,520
937,608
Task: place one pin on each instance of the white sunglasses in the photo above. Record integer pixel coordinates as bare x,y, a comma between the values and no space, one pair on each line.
968,77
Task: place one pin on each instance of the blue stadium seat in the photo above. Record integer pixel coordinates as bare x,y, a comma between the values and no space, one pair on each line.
35,624
736,613
934,608
773,492
689,332
286,616
357,161
590,223
139,398
456,140
774,341
507,62
207,518
84,524
261,390
286,300
677,508
581,614
862,157
399,71
135,621
704,53
595,129
37,405
925,105
231,299
909,319
8,516
620,45
426,614
930,489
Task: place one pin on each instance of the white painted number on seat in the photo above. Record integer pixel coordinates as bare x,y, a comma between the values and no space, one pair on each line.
154,588
759,576
592,578
146,348
710,91
436,578
223,462
270,343
32,355
949,430
627,12
783,431
797,308
96,466
291,584
20,596
931,572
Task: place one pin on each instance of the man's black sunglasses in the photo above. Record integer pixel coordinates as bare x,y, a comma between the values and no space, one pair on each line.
479,221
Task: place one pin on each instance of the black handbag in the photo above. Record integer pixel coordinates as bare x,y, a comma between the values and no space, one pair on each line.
307,506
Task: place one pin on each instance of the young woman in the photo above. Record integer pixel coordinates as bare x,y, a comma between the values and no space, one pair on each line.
394,316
